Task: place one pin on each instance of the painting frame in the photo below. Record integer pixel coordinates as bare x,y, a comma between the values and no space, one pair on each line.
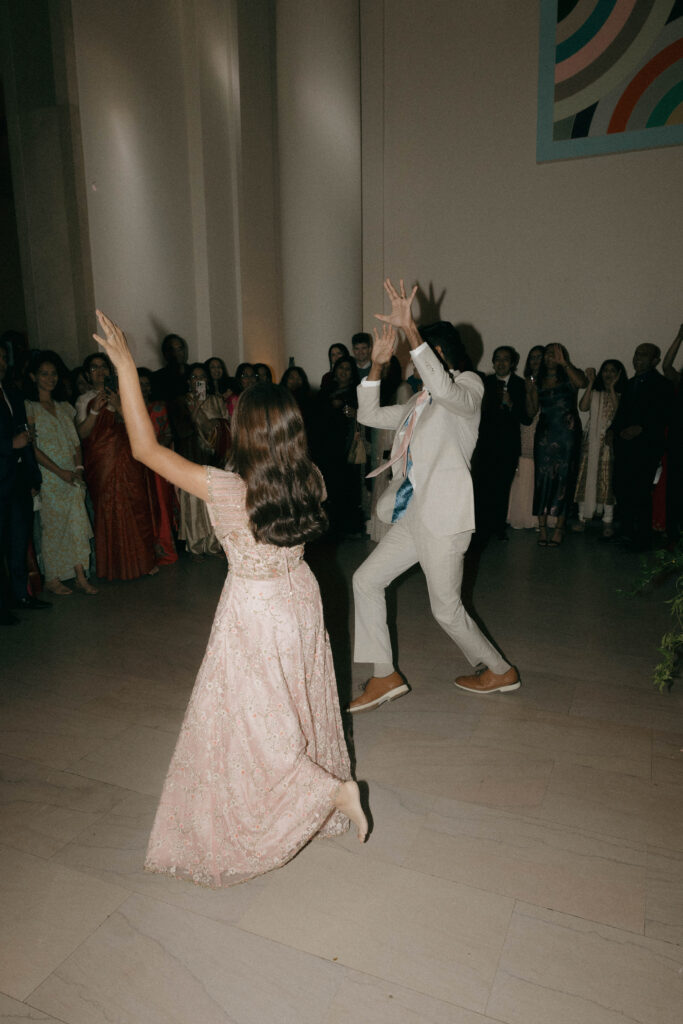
599,83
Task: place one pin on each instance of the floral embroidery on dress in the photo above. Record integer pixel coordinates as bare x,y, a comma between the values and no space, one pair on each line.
261,751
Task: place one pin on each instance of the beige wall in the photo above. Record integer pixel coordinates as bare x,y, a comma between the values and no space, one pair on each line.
319,148
179,157
132,104
159,102
585,252
212,145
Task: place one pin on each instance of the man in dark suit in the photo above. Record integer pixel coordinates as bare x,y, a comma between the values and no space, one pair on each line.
639,431
496,456
19,475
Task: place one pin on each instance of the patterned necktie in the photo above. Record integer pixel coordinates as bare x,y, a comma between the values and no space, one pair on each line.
402,450
403,495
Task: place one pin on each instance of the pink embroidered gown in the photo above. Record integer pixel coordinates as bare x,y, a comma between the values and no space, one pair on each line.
261,750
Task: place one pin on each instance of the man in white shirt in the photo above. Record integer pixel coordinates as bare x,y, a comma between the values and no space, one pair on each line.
429,501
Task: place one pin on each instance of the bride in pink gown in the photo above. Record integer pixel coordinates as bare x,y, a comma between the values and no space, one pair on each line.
261,765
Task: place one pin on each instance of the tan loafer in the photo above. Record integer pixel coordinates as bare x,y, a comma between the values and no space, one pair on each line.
490,682
379,690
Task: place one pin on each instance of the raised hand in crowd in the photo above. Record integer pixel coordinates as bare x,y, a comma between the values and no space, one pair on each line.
667,364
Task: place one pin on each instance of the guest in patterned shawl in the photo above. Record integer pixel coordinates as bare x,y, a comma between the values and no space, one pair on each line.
202,435
118,484
65,527
594,486
163,503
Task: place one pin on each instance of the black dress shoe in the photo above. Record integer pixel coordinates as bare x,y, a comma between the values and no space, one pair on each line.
31,604
7,619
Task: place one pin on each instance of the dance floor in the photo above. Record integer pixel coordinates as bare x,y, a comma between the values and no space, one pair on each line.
526,859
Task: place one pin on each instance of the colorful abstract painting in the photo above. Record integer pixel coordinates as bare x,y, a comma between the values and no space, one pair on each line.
610,76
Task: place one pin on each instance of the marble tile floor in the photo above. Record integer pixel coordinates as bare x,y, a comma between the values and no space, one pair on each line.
526,859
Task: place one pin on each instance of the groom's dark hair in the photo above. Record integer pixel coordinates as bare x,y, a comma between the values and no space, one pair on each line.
447,337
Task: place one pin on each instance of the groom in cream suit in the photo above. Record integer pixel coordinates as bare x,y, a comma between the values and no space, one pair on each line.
429,501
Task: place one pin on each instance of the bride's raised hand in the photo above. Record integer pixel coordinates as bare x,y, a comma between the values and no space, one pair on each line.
114,341
384,344
400,315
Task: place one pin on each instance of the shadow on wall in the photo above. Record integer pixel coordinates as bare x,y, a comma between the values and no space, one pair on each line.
430,313
472,340
430,306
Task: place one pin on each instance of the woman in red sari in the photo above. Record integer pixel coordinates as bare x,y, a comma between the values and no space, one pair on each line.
164,507
118,484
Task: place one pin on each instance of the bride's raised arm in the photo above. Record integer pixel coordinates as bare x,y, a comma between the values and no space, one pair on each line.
143,442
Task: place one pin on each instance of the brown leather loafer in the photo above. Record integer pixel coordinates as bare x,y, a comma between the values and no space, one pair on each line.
379,690
490,682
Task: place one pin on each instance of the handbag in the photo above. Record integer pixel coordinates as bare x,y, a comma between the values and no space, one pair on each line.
358,455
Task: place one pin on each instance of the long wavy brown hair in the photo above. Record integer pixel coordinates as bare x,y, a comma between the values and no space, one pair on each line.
269,452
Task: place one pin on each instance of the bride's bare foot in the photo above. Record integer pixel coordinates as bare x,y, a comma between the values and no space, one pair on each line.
84,586
348,802
57,587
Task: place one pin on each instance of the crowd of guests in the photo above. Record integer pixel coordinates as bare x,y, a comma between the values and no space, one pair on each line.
73,497
536,464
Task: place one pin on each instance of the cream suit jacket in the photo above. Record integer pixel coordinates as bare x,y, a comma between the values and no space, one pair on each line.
441,448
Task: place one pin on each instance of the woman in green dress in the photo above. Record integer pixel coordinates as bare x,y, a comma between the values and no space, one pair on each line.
66,529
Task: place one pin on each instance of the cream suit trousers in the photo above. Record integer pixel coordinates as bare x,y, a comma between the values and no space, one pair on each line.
441,559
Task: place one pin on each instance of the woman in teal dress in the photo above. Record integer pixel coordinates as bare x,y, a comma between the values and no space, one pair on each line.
66,529
557,438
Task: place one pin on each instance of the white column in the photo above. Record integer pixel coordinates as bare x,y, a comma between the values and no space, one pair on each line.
318,92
